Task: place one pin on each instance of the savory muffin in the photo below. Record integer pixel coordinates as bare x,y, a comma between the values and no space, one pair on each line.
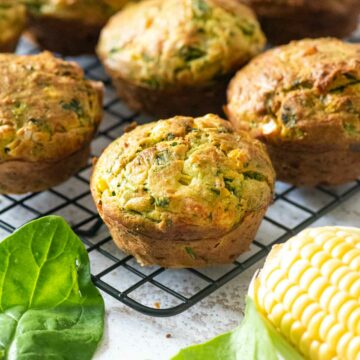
183,192
12,23
175,57
303,101
69,27
285,20
48,116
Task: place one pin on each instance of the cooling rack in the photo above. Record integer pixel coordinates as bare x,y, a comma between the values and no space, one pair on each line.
152,290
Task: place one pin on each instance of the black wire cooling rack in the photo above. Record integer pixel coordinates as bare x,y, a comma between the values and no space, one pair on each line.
152,290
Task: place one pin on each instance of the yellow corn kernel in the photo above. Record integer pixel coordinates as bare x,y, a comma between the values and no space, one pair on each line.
339,299
348,280
298,269
355,289
331,243
313,292
269,302
338,274
326,296
288,261
346,310
350,255
354,348
281,288
310,250
308,277
303,241
314,325
277,314
309,313
325,352
334,335
353,239
305,342
292,294
299,305
317,287
286,323
340,250
355,264
296,332
319,259
354,321
343,345
313,352
329,267
273,278
102,185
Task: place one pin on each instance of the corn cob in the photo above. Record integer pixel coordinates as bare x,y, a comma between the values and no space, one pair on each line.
309,289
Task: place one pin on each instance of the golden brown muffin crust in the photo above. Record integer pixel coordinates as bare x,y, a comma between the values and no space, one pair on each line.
47,108
19,177
305,93
160,44
182,179
180,253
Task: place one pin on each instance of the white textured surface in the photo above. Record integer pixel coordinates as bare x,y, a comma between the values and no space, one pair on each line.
132,336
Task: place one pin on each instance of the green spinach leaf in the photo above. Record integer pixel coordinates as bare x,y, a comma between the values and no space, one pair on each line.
254,339
49,308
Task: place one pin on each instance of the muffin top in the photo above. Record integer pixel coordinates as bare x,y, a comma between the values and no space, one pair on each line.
47,108
307,91
89,11
157,43
183,177
12,20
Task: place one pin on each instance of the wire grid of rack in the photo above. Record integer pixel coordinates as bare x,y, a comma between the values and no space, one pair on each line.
152,290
